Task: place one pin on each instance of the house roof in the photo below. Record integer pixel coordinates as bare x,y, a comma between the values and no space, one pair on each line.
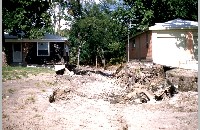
47,38
172,24
175,24
55,37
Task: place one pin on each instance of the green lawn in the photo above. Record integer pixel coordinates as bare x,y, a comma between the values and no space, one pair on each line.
18,72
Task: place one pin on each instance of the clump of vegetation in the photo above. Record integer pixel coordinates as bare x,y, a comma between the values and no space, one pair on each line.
37,84
5,116
18,72
11,91
37,115
30,99
43,90
50,83
115,61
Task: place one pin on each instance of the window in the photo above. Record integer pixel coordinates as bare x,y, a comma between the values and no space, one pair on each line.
133,43
43,49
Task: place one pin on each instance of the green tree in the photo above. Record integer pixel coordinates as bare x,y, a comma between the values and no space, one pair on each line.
30,16
98,31
149,12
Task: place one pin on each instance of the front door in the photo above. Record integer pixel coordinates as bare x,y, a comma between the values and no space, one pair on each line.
17,52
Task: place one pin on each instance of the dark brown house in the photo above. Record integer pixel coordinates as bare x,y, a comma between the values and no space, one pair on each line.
140,46
50,49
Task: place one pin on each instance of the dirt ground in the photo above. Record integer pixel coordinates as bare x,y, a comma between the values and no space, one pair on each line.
87,106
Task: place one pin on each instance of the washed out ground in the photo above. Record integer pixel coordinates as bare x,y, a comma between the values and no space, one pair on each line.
88,105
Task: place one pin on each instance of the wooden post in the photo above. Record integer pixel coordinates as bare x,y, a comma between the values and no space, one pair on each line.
128,46
96,62
104,63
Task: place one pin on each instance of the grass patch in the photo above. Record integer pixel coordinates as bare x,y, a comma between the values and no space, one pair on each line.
30,100
5,116
50,83
43,90
37,115
18,72
37,85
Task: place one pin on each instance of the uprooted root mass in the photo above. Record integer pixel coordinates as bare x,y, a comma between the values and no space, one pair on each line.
143,82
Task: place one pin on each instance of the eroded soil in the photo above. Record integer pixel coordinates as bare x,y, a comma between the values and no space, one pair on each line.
88,105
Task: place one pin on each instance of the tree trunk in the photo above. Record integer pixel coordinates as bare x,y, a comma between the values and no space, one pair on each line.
4,56
26,47
78,61
103,59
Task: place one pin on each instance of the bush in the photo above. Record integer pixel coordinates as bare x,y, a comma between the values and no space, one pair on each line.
115,61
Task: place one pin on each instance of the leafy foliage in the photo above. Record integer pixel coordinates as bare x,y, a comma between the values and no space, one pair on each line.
103,27
31,17
149,12
98,31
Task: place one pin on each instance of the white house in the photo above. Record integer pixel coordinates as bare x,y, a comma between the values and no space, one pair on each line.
173,43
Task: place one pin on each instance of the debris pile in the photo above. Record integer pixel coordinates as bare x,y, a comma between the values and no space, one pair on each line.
59,94
142,73
144,82
141,82
142,94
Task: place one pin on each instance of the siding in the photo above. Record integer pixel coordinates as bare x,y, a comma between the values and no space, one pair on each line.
31,57
175,48
142,49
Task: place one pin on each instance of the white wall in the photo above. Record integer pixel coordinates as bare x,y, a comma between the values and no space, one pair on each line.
169,48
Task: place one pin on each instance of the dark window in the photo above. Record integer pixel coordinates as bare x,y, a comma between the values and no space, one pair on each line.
43,49
17,47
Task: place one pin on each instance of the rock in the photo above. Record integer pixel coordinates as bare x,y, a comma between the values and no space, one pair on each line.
67,72
51,99
59,67
142,94
164,90
60,72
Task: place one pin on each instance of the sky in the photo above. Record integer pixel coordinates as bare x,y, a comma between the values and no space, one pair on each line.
63,22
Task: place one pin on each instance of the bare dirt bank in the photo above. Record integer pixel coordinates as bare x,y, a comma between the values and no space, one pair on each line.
87,106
